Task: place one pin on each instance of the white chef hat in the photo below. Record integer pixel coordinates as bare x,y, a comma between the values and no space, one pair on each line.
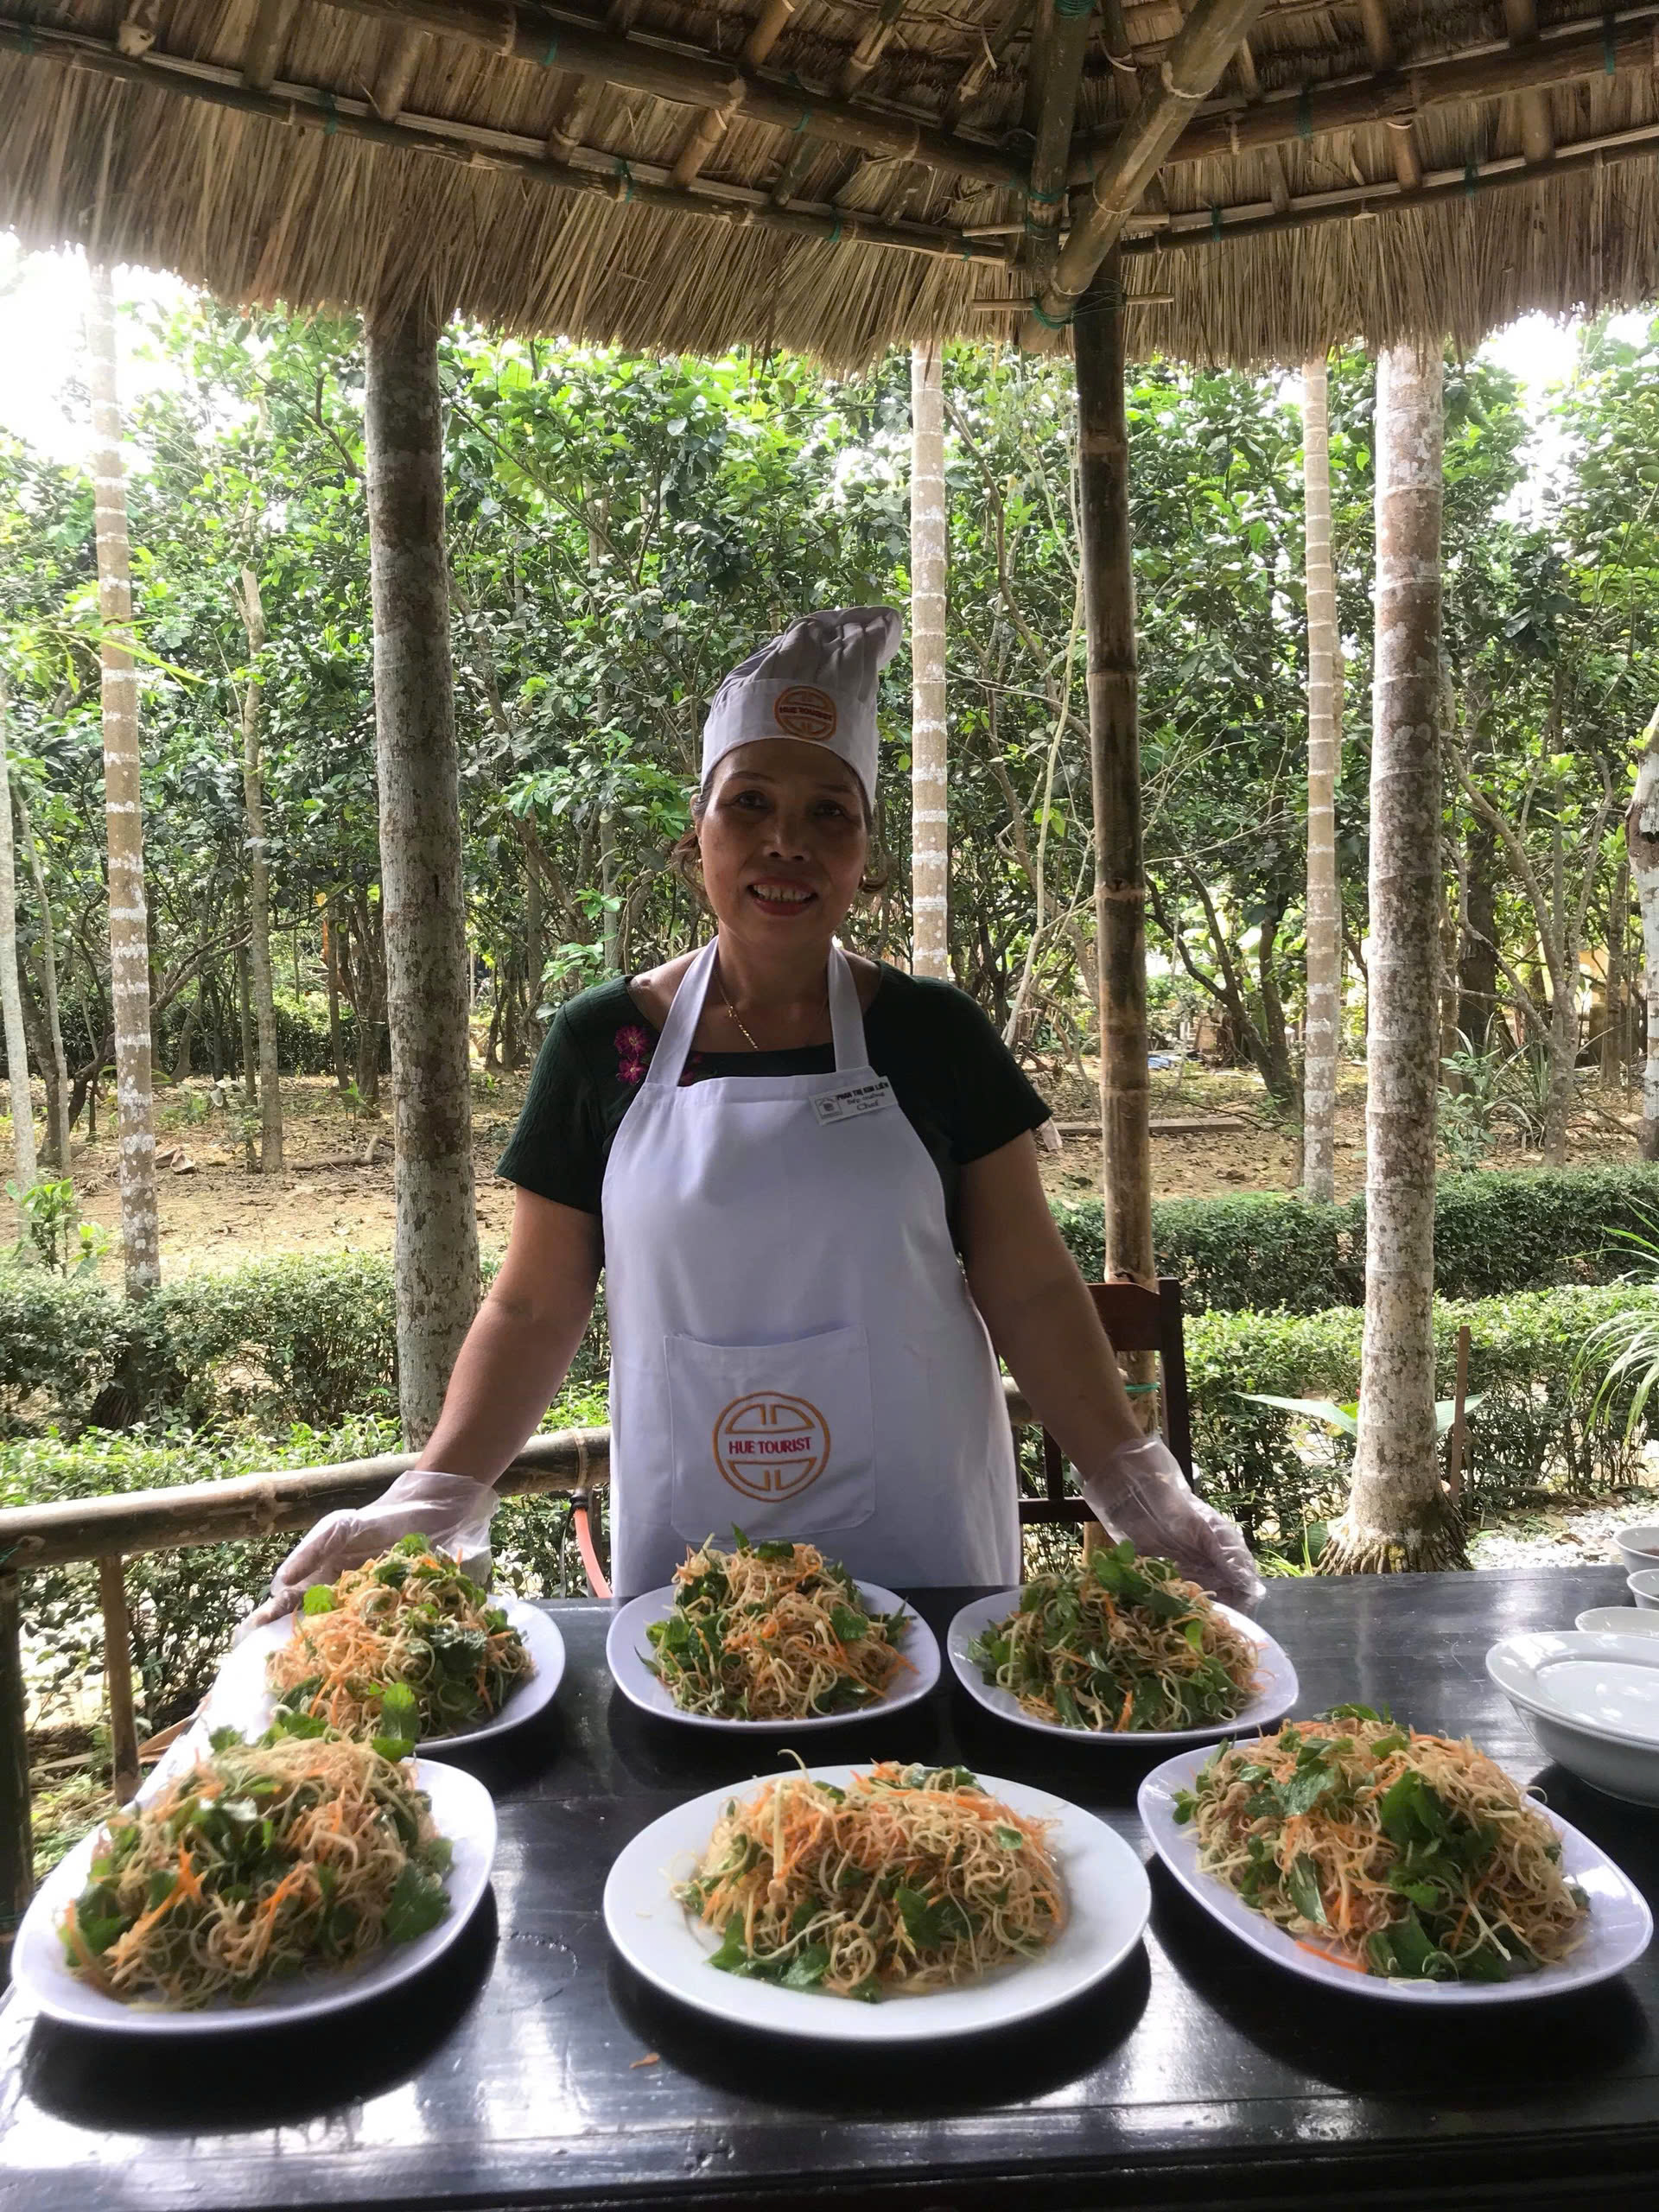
815,683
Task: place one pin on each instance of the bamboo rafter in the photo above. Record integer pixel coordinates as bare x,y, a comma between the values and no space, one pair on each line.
1057,116
1444,187
692,78
304,107
1395,95
1187,75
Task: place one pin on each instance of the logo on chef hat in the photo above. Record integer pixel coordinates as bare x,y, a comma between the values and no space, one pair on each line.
804,711
771,1445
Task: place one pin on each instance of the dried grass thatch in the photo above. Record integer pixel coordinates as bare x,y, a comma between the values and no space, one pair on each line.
826,177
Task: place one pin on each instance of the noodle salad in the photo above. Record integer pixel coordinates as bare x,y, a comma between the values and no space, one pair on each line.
1387,1850
1118,1644
772,1632
403,1647
261,1861
912,1878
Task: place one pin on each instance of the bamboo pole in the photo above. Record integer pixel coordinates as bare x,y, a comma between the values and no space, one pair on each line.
713,124
1323,1028
305,108
1394,96
1057,116
1115,769
1228,225
17,1842
118,1673
691,78
1189,73
930,851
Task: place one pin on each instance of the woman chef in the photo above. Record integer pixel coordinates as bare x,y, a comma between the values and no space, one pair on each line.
811,1184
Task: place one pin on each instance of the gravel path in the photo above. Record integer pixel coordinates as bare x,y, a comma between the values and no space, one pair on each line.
1573,1535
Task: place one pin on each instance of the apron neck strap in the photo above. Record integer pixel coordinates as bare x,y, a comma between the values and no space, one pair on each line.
674,1046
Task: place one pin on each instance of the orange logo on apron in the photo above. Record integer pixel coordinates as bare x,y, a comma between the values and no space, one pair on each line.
804,711
770,1445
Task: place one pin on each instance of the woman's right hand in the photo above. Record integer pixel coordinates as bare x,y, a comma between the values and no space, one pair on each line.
450,1510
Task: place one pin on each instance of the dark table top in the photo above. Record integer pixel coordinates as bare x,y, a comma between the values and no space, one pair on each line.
1199,2075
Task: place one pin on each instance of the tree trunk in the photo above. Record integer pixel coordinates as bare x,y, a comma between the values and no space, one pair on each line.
1114,766
251,609
1322,1032
1477,950
187,1038
12,997
331,970
129,922
1451,1009
1612,1026
423,894
1398,1516
1641,840
929,810
244,1011
57,1066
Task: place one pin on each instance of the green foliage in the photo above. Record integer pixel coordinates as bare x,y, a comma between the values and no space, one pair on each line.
54,1236
1493,1234
1534,1427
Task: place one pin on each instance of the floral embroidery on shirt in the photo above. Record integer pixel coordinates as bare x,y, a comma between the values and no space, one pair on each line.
633,1051
692,1071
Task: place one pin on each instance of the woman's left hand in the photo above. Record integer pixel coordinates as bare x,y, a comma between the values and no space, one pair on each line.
1139,1492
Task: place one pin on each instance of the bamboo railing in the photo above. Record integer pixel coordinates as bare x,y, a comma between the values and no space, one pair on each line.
105,1531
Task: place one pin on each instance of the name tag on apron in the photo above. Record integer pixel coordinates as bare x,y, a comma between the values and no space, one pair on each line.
854,1099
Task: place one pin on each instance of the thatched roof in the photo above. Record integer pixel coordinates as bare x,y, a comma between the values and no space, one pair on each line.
837,174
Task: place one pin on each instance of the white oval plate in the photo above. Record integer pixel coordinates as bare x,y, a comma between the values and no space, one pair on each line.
1279,1692
626,1651
1603,1686
1108,1900
1620,1924
241,1699
1618,1620
462,1811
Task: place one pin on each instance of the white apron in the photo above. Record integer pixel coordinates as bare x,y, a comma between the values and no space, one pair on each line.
794,1349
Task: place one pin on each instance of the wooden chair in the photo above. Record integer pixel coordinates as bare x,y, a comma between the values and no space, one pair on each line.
1136,1319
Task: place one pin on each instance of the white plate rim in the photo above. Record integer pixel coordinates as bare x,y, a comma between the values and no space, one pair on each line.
1581,1858
641,1687
1637,1613
1515,1672
1101,1866
239,1699
462,1809
1272,1703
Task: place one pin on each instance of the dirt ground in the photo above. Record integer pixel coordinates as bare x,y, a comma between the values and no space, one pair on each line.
330,1197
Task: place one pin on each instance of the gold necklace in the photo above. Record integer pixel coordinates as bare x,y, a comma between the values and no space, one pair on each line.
726,1002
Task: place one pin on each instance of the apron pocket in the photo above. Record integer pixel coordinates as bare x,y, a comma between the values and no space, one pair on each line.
776,1439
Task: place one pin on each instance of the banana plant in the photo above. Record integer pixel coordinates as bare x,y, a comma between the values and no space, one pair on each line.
1345,1418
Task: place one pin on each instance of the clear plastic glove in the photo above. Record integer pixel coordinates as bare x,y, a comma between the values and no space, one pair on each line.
452,1510
1142,1493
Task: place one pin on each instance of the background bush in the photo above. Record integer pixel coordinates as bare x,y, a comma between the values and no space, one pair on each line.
1493,1233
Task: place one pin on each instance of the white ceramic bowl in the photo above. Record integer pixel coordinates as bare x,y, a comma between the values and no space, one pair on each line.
1619,1620
1592,1702
1644,1588
1638,1544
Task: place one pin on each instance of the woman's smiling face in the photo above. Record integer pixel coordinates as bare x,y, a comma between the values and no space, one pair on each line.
783,841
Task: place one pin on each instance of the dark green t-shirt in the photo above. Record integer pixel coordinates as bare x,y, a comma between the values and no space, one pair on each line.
958,1085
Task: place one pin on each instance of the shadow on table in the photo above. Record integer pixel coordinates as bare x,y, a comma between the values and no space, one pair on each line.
1100,1772
1367,2047
260,2077
511,1762
917,2081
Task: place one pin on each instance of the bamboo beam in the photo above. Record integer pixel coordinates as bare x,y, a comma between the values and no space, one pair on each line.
713,124
691,78
118,1674
303,108
993,46
870,48
1057,119
262,57
1395,95
17,1842
1189,70
400,57
1536,136
1225,226
1379,44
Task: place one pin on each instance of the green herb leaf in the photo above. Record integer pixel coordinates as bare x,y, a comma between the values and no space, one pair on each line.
1303,1884
808,1970
319,1598
849,1625
419,1901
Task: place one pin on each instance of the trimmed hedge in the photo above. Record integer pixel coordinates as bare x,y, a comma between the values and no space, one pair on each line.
1280,1475
1493,1233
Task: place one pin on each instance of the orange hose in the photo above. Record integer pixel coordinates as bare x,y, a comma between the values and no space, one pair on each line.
595,1572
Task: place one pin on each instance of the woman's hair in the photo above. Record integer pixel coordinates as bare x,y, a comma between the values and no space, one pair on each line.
684,856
